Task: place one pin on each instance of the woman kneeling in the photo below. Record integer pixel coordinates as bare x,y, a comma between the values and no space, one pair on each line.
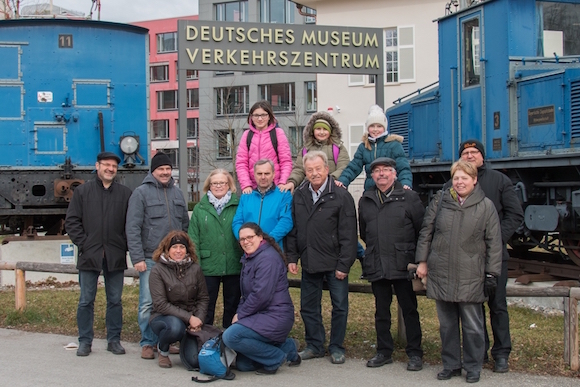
259,333
178,291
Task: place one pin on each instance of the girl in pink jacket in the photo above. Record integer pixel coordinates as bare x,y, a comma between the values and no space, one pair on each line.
262,145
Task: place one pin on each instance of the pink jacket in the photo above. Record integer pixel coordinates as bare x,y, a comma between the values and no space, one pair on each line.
262,148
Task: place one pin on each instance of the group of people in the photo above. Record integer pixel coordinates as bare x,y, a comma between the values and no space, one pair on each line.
291,213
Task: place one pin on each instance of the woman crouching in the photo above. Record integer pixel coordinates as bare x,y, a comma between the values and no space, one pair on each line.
259,333
178,291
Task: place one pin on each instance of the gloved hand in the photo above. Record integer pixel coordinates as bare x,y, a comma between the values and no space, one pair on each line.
489,285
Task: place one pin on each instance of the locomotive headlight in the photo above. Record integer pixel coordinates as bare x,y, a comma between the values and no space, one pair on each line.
129,144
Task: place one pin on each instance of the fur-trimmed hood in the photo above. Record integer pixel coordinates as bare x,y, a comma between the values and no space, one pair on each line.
387,138
308,133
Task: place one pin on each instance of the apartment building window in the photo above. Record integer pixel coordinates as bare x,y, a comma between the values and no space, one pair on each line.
280,95
192,127
277,11
399,54
167,99
167,42
311,96
225,143
159,73
192,156
309,19
159,129
296,139
235,11
232,100
361,80
192,98
189,74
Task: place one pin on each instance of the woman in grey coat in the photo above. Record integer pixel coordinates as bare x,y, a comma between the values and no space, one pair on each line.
459,252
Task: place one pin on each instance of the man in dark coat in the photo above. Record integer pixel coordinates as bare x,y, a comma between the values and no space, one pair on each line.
95,222
499,189
390,219
324,239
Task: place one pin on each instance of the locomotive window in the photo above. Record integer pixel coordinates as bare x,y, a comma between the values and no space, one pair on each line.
471,52
559,28
65,41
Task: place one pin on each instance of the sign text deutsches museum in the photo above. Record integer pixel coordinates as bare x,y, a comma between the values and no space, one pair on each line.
227,46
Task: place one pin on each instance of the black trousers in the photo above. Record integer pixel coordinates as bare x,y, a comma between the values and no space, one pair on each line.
383,291
500,320
231,294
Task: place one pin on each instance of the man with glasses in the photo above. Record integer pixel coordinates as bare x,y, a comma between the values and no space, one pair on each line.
324,238
266,206
390,219
156,207
500,190
95,222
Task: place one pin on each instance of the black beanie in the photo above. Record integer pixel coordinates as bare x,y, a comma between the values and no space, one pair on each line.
160,159
472,143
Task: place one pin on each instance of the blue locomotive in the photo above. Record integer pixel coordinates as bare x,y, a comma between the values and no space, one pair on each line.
69,89
509,75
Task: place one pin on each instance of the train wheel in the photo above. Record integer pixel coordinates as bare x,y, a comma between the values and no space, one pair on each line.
573,253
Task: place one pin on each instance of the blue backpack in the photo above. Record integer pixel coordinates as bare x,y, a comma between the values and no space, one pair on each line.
214,360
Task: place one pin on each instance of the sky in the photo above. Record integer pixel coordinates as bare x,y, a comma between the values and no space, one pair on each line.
125,11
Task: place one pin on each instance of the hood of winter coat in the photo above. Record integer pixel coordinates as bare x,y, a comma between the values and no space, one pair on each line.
387,138
308,133
149,179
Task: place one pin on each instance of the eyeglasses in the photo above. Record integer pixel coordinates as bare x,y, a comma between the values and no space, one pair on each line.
108,165
382,170
218,183
247,239
262,116
470,153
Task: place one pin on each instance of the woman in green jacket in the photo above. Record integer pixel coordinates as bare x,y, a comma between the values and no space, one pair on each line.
210,228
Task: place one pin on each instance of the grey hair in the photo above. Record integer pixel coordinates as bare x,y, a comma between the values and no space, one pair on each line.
264,161
314,154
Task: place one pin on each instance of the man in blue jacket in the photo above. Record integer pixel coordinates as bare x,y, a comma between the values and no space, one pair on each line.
95,222
156,207
266,206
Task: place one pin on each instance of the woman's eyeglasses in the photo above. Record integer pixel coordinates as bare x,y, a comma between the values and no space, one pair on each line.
262,116
247,239
218,183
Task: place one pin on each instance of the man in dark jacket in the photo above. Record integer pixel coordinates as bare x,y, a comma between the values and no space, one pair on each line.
499,189
390,219
95,222
324,239
156,207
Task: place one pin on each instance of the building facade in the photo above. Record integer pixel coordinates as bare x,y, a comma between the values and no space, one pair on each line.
226,97
163,101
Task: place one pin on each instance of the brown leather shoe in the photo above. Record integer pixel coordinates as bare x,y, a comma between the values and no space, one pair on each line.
174,349
147,352
164,361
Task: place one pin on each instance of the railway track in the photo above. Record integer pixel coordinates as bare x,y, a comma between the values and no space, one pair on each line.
532,266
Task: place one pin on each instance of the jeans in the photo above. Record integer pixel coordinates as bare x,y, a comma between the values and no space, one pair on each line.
231,295
311,310
471,316
169,329
88,280
256,351
500,320
148,337
383,291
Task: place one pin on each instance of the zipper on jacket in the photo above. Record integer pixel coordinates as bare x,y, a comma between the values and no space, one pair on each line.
167,204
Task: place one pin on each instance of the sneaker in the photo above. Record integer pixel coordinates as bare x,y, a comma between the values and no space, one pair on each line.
164,361
147,352
84,349
415,363
309,354
379,360
116,348
337,358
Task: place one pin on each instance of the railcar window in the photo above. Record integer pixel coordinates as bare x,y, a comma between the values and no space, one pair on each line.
559,27
471,52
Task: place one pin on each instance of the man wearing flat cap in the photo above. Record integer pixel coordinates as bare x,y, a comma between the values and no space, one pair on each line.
95,222
156,207
390,219
500,190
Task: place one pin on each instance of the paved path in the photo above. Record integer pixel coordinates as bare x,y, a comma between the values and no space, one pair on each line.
37,359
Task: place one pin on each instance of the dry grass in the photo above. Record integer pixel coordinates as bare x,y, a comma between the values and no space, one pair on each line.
536,350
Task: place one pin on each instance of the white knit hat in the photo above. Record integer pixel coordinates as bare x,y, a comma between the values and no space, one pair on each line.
376,116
